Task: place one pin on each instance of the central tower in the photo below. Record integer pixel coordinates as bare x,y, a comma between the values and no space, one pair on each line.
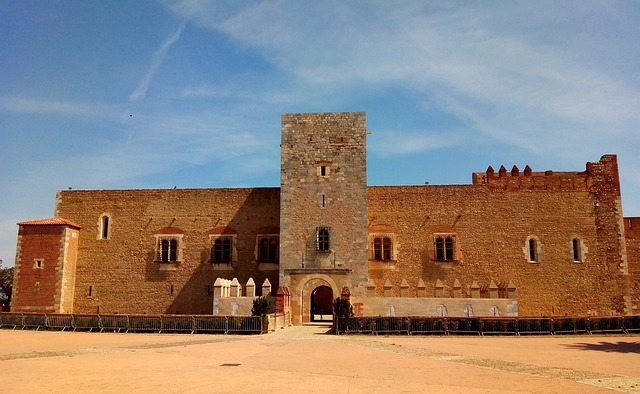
323,206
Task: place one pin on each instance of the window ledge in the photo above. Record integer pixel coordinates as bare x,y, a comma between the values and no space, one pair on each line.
220,266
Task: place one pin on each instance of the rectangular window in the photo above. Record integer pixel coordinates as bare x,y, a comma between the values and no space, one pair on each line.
322,239
268,249
382,248
168,249
38,263
445,247
222,250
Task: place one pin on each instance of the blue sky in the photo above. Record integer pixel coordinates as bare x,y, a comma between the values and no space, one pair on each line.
154,94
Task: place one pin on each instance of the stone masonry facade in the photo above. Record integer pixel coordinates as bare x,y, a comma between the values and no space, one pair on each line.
513,242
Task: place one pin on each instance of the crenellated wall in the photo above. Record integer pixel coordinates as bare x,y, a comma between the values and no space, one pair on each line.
491,223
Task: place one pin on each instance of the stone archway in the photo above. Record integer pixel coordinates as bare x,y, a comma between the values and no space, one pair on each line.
321,304
303,290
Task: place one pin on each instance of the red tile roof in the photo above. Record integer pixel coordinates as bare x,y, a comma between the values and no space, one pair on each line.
49,222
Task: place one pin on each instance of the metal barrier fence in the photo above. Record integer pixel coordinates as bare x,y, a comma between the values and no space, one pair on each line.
416,325
135,323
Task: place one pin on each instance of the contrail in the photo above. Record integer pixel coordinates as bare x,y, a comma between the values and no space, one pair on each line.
156,61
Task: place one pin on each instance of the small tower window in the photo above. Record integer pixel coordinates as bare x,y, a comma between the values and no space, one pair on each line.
577,250
533,250
533,253
323,239
323,170
104,227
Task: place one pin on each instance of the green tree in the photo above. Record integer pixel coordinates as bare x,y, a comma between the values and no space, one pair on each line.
6,287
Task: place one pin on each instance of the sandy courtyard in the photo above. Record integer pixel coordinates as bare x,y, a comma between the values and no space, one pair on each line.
303,359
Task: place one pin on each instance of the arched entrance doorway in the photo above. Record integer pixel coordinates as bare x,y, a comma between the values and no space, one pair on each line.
321,304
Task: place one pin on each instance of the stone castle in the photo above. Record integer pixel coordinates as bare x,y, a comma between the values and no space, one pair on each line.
510,243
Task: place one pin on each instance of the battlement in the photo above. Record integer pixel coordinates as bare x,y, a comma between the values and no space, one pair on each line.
596,173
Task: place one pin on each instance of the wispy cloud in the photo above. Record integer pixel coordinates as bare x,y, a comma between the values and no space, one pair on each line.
33,105
504,74
156,61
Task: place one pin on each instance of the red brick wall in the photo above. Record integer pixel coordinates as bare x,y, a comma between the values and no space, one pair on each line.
35,289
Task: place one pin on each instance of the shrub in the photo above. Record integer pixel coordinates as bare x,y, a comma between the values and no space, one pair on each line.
342,308
262,307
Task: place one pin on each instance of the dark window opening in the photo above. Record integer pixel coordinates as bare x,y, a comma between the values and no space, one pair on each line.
169,250
268,250
165,250
105,227
444,248
577,255
221,250
173,250
382,248
533,250
323,239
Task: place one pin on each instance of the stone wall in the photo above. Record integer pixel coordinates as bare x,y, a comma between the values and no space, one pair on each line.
121,274
491,227
408,306
323,188
632,238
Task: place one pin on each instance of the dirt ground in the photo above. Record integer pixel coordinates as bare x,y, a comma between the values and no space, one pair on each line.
305,359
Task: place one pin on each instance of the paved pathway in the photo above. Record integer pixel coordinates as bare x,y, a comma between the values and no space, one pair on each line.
306,359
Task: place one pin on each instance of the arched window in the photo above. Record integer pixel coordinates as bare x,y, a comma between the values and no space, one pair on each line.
533,249
442,310
322,243
104,227
168,241
494,311
168,250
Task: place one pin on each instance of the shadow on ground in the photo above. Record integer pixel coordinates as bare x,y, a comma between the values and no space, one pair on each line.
614,347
